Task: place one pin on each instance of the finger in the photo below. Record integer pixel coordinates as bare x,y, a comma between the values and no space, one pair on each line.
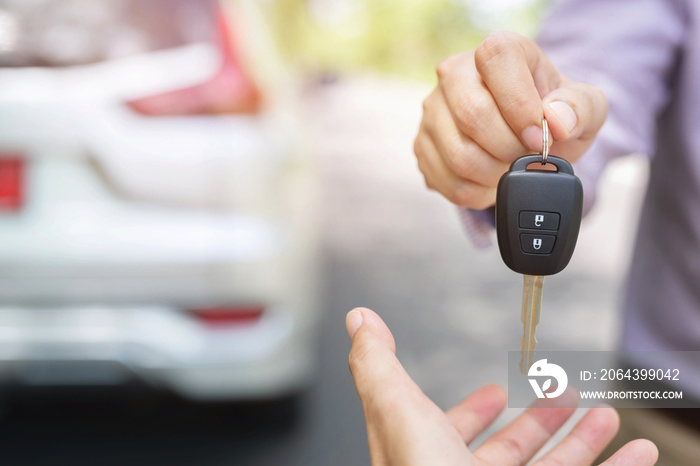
586,440
474,110
518,74
373,363
439,177
431,165
523,437
379,376
401,421
462,154
396,410
640,452
576,110
477,411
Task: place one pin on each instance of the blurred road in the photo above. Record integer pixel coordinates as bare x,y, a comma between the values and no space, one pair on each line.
389,245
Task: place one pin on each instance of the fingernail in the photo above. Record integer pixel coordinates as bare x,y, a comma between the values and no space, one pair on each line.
566,114
533,137
353,321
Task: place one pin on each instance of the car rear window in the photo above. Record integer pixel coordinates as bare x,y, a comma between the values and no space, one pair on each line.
76,32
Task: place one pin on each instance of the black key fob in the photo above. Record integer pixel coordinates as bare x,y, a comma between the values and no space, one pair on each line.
538,215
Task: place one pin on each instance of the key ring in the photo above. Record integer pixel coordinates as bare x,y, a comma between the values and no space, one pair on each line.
545,141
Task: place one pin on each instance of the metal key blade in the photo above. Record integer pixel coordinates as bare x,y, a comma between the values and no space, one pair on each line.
532,303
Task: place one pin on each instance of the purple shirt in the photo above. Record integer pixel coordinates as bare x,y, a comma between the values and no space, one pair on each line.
645,56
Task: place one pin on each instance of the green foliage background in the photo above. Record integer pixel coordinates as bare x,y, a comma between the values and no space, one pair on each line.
403,37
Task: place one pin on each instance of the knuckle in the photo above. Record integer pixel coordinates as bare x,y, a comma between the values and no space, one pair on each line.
451,196
463,194
430,108
428,101
417,146
601,96
590,97
446,66
471,110
588,102
443,68
519,106
422,168
472,196
461,158
358,355
583,98
428,183
461,197
495,44
597,99
512,447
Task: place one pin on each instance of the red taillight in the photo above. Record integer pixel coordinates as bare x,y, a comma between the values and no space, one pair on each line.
231,90
225,316
11,182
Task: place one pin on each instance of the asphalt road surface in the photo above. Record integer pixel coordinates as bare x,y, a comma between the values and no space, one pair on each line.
389,245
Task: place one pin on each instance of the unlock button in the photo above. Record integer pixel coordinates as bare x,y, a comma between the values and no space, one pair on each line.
537,244
539,220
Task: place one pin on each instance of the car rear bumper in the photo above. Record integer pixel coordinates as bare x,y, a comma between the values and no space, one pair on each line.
162,346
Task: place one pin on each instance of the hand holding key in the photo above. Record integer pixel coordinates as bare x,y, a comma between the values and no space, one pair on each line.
487,111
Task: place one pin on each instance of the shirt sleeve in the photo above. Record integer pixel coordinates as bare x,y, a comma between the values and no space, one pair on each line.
628,49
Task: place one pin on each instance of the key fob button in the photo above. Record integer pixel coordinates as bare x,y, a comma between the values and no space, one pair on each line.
539,220
537,244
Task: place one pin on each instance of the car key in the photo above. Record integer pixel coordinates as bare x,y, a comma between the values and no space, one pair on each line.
538,215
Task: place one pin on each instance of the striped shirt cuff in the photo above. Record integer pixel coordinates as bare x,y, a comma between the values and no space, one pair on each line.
479,225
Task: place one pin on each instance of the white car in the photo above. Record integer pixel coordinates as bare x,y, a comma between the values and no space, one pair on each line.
157,209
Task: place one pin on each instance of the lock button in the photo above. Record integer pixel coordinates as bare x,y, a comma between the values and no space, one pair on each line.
539,220
537,244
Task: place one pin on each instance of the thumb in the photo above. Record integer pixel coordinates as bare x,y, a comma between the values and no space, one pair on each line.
575,111
379,376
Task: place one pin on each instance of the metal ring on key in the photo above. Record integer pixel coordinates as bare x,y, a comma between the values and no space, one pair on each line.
545,141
